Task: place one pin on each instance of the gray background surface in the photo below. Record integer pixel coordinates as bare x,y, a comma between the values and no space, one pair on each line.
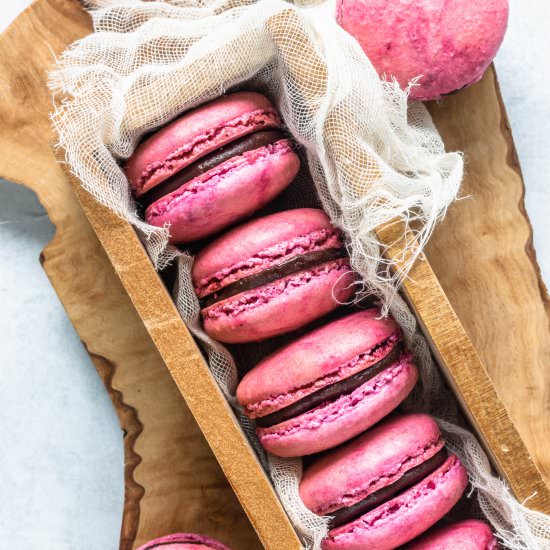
61,465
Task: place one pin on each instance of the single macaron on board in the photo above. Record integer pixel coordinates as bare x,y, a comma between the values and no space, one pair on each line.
446,45
184,541
329,385
212,166
272,275
471,534
385,487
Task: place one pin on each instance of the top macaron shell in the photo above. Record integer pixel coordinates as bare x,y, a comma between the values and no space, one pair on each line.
467,535
313,361
184,541
448,44
196,134
279,306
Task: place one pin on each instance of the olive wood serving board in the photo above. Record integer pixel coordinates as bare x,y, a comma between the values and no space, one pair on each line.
482,255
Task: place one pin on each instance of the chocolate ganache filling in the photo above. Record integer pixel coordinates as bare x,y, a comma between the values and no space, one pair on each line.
213,159
300,262
407,480
329,393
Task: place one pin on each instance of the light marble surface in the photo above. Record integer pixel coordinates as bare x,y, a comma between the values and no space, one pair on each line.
61,483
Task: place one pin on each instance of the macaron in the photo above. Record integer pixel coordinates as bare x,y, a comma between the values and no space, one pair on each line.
212,166
471,534
385,487
184,541
329,385
446,45
272,275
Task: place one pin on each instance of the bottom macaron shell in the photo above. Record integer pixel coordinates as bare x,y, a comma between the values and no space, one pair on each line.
231,191
184,541
407,515
329,425
471,534
282,306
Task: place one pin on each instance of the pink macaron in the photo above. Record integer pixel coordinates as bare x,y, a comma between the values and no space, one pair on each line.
271,276
471,534
385,487
329,385
212,166
184,541
446,45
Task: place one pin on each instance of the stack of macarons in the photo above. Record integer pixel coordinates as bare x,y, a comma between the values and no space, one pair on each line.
384,478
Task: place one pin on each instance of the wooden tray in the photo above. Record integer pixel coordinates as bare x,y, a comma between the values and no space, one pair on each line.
172,480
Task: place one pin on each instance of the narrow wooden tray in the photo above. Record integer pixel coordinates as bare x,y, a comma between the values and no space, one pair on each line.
165,488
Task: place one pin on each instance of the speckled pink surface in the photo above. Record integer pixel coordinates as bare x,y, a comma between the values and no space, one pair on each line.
316,360
471,534
337,421
407,515
261,243
372,461
448,43
282,305
222,196
184,541
195,134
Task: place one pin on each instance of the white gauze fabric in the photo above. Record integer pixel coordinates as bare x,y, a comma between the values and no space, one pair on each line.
372,158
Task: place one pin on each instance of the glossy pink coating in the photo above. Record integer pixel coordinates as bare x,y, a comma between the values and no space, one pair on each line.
447,43
285,304
225,194
195,134
349,415
318,359
405,516
184,541
470,534
374,460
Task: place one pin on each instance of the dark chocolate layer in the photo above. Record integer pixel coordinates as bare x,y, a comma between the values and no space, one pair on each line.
407,480
233,149
297,263
331,392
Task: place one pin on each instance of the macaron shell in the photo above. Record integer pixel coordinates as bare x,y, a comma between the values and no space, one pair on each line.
314,357
281,306
250,239
471,534
449,44
372,461
407,515
184,541
332,424
195,134
225,194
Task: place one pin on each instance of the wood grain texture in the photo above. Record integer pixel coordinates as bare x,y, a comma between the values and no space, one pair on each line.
484,258
172,481
481,255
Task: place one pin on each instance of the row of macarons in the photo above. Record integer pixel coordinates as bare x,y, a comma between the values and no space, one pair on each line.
471,534
203,173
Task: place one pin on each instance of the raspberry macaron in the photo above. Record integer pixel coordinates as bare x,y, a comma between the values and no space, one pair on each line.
329,385
445,45
184,541
271,276
385,487
471,534
212,166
